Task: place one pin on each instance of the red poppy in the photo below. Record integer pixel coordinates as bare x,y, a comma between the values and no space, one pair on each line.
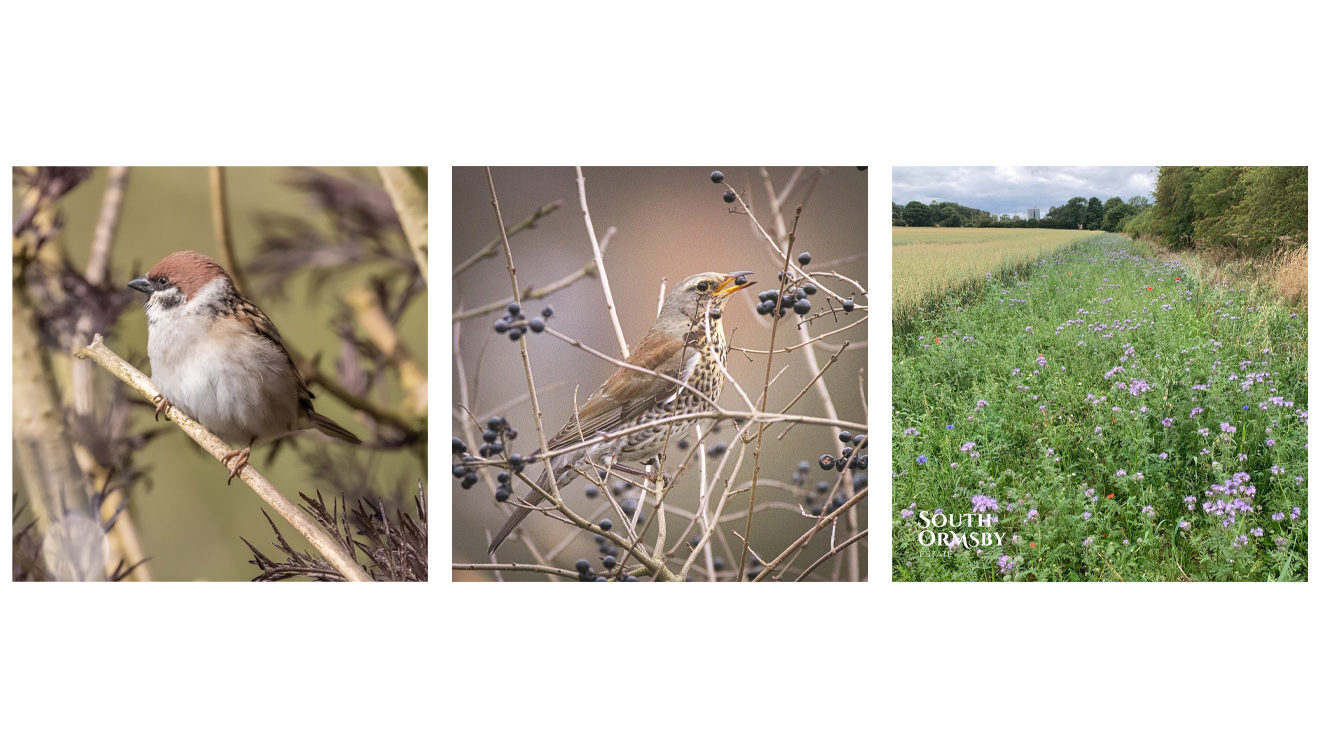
1148,288
1110,496
1033,545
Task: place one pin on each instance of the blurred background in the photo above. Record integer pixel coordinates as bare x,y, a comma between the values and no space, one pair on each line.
306,239
666,224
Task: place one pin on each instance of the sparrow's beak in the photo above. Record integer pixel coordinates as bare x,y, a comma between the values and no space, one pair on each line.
141,284
734,282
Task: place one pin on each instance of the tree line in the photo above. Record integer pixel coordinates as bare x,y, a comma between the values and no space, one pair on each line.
1251,209
1113,214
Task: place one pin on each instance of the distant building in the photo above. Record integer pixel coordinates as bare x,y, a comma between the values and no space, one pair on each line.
1033,213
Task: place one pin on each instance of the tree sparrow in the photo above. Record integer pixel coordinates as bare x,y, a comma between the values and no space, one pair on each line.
217,357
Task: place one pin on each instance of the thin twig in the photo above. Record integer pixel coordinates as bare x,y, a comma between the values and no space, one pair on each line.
600,262
531,292
765,395
830,554
535,568
803,344
490,249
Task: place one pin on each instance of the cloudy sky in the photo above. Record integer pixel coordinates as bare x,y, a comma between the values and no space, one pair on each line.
1013,189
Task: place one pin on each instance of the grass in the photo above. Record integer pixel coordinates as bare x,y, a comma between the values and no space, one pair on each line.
935,263
1112,417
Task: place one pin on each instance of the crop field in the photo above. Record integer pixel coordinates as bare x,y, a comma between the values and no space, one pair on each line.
929,262
1101,415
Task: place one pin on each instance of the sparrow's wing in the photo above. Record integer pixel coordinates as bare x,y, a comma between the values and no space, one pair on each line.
247,312
627,393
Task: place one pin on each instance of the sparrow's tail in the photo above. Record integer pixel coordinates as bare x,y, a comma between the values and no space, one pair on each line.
327,426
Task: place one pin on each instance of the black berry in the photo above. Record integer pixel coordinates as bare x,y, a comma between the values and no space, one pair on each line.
515,333
717,177
845,437
537,324
804,258
460,471
606,524
607,562
827,461
809,288
514,308
502,493
459,446
548,312
489,436
802,306
582,565
729,196
847,305
502,325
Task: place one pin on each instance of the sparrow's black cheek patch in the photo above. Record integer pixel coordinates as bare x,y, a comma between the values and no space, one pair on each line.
168,299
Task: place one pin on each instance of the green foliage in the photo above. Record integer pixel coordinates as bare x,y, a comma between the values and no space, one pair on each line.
1138,224
1273,206
917,214
1115,212
1174,213
1070,215
1095,213
898,215
952,221
1251,209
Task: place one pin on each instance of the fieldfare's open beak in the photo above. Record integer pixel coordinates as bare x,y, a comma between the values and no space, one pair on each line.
141,284
734,282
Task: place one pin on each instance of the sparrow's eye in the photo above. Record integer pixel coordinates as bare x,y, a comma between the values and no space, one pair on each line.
702,286
162,282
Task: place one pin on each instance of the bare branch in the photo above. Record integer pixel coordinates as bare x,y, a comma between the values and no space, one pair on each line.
600,263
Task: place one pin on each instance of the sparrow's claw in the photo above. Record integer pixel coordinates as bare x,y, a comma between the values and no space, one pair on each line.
240,458
161,405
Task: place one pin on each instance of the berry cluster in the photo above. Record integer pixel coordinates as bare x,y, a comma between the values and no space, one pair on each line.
494,439
794,298
515,324
816,501
609,560
851,457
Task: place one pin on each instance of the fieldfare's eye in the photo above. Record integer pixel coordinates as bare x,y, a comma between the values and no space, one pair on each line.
702,286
